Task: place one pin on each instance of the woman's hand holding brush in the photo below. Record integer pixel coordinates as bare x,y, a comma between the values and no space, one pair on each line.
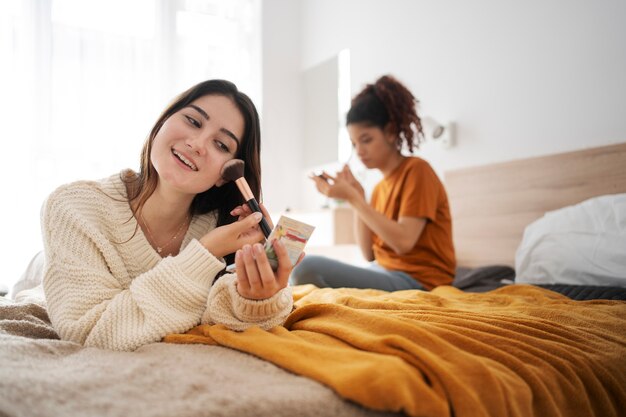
243,211
233,170
229,238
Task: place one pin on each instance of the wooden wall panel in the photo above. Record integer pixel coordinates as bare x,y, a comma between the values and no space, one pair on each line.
491,205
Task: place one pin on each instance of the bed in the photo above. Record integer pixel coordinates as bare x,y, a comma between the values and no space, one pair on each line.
475,349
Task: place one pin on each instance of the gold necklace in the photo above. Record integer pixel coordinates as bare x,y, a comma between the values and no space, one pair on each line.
160,249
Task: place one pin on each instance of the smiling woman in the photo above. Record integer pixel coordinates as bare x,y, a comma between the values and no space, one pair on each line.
183,137
80,81
136,256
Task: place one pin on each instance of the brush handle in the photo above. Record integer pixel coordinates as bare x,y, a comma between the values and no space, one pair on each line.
265,227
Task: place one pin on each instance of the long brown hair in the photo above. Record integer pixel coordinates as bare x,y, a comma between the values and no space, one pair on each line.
388,102
223,199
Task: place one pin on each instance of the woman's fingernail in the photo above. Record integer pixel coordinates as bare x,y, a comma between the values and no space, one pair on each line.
257,216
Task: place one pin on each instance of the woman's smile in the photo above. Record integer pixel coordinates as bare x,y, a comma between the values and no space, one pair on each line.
184,161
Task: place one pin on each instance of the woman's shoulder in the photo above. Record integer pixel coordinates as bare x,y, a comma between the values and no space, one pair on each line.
415,162
111,185
86,194
417,165
419,171
97,208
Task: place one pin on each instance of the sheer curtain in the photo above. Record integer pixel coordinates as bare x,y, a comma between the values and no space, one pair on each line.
82,82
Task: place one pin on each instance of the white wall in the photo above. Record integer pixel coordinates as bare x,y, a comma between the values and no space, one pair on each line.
281,123
520,79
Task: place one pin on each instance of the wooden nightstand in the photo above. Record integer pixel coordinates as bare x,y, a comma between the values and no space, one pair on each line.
333,226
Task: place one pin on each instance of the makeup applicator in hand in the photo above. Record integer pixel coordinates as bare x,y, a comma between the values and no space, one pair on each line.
233,171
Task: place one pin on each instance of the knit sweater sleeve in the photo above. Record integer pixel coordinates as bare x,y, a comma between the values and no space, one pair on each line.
225,306
92,301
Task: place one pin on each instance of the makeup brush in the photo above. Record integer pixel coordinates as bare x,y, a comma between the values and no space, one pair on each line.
233,171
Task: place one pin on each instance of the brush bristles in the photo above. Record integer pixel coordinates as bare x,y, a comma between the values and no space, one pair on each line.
233,170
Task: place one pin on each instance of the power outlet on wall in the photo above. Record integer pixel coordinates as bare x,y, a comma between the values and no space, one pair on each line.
448,138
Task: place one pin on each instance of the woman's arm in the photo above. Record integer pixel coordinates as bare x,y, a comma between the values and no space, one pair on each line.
227,307
363,236
401,236
256,295
93,299
345,186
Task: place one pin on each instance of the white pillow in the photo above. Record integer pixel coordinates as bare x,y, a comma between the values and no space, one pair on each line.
583,244
32,276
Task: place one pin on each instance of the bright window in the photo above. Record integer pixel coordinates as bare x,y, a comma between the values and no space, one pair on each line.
82,82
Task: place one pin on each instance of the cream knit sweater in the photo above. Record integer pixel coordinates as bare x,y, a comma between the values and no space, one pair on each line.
105,290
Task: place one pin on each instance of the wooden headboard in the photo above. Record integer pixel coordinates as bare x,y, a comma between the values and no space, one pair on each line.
491,205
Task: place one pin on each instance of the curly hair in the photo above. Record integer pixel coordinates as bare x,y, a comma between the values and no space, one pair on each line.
389,102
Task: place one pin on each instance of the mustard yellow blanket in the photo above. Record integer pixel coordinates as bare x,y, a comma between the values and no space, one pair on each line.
515,351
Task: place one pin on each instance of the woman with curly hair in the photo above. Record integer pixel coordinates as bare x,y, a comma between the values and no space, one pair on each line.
406,228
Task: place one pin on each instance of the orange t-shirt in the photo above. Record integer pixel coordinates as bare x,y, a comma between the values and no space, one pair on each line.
414,190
